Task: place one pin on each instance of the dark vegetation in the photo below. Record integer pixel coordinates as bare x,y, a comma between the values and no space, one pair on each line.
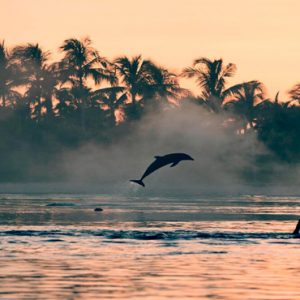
49,107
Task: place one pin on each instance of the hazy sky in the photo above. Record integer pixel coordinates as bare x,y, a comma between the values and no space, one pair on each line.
260,36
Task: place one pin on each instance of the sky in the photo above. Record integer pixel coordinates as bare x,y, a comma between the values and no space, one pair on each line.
260,36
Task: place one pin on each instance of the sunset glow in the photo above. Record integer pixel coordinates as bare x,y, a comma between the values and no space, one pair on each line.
259,36
150,149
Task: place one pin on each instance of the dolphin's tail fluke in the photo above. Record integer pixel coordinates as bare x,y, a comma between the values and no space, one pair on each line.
140,182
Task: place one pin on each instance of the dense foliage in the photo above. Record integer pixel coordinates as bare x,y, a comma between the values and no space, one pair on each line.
47,107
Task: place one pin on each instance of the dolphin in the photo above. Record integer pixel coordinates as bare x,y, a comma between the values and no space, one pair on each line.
161,161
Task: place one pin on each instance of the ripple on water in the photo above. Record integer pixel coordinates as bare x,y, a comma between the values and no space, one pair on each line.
204,248
155,234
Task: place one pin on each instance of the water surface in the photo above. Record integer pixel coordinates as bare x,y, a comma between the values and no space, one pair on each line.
58,247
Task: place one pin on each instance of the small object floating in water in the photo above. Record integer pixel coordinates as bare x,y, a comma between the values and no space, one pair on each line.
98,209
161,161
61,204
297,229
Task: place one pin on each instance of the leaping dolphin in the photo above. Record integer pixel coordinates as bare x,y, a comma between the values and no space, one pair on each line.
161,161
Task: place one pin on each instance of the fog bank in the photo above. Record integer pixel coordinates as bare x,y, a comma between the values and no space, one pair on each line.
224,162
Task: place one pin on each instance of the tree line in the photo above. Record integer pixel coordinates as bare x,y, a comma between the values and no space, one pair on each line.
47,106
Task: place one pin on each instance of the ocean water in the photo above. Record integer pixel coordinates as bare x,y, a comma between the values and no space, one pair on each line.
58,247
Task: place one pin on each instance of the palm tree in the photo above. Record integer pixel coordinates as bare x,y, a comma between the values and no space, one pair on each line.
39,76
294,93
110,99
83,62
242,98
145,82
164,86
66,105
211,78
9,78
278,126
135,74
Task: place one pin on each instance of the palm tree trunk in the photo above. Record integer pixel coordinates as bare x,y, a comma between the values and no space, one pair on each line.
49,108
3,101
38,108
82,113
133,98
82,103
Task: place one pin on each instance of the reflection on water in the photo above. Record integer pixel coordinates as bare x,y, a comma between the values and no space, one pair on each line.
58,247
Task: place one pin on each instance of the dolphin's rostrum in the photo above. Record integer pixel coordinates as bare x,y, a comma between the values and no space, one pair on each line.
161,161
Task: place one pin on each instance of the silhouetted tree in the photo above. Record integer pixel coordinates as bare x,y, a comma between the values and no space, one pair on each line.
241,100
163,87
136,75
39,76
294,93
47,107
110,99
146,84
211,78
83,62
9,78
278,126
66,105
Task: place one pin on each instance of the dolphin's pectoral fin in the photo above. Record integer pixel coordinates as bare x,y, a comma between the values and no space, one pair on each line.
174,164
157,157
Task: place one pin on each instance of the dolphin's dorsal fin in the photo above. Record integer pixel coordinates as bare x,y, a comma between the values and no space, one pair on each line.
157,156
174,164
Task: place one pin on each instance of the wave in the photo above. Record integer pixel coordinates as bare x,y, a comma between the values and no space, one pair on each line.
61,204
151,234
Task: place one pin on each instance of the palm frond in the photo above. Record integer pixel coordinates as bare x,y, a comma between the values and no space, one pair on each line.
202,60
229,70
294,93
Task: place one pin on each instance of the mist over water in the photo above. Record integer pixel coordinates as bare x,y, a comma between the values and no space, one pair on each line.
224,162
220,157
